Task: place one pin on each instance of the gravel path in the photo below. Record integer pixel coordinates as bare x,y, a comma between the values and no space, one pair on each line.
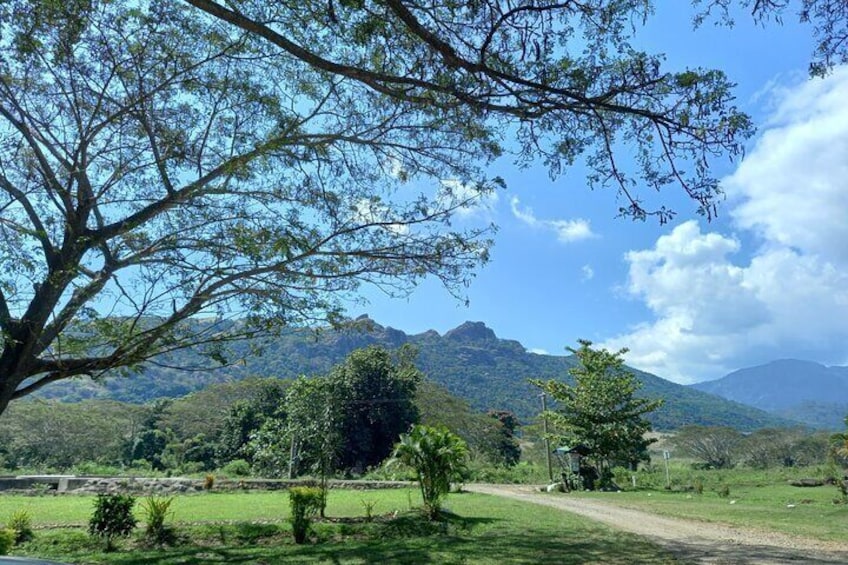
690,541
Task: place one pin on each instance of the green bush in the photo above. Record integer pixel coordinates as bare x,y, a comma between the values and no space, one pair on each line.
305,503
112,517
21,523
7,540
438,457
236,468
156,511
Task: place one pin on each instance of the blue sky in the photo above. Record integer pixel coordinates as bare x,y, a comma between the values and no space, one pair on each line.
692,300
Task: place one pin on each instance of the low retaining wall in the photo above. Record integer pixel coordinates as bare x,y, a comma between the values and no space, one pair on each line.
43,484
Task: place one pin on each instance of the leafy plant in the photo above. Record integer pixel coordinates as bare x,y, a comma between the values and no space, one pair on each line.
112,517
305,504
237,468
21,523
7,540
156,511
437,456
368,506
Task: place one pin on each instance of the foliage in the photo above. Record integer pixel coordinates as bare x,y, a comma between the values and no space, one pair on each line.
374,397
236,468
438,458
715,447
112,517
345,420
246,416
838,447
599,411
506,450
179,161
50,434
156,511
7,540
305,503
788,447
21,523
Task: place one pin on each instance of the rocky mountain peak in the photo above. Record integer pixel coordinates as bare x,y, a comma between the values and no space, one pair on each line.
471,331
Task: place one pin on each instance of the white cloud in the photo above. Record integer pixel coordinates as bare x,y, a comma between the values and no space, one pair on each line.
478,203
717,306
538,351
567,231
588,273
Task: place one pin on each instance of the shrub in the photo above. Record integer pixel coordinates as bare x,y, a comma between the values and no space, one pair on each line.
7,540
21,523
237,468
368,506
305,503
724,491
209,482
112,517
156,510
438,457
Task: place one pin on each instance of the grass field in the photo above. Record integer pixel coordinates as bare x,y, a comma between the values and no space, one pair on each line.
251,528
808,512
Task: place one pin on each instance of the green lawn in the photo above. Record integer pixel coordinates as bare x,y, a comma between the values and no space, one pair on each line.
808,512
478,529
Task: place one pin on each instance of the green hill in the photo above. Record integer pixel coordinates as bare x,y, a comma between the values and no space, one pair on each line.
470,361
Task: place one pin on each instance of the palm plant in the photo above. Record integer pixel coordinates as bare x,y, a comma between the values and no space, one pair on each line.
437,456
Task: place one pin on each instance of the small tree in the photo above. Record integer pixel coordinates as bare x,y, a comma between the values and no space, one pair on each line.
305,503
599,410
505,448
437,456
112,517
714,446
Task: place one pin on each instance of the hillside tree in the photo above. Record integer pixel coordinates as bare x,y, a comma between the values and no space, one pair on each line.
184,174
599,409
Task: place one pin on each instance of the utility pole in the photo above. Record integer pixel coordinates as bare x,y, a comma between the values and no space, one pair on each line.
547,440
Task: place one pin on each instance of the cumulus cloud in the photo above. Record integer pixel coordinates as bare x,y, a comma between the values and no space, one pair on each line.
717,306
588,273
567,231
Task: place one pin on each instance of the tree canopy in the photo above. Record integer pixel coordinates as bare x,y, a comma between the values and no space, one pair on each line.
600,410
167,167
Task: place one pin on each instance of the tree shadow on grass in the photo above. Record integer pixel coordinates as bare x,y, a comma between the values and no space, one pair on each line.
411,539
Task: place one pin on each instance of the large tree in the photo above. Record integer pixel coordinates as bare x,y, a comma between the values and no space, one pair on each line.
167,167
599,408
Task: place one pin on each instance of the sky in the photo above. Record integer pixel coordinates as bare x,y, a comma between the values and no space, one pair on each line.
692,300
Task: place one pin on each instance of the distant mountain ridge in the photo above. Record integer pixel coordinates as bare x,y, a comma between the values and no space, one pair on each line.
807,391
470,361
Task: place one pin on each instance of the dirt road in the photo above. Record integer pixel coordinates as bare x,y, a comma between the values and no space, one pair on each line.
690,541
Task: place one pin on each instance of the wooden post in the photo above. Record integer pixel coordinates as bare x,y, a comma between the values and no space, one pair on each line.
547,441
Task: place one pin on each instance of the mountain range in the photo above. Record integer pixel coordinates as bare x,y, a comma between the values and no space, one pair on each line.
805,391
470,361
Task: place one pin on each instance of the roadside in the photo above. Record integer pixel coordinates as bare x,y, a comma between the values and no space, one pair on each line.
690,541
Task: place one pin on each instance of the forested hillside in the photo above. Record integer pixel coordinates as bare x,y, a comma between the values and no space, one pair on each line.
470,361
